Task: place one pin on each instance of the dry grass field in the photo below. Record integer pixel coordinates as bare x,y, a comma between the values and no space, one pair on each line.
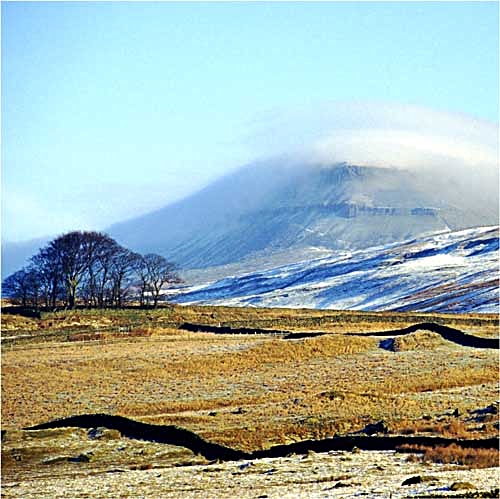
248,391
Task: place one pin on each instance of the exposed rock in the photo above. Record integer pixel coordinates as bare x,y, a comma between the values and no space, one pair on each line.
387,344
374,428
339,485
81,458
240,410
491,409
491,493
486,414
103,433
413,480
55,460
462,486
270,471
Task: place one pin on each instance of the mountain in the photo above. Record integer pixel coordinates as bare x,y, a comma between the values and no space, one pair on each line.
16,255
274,212
446,272
273,207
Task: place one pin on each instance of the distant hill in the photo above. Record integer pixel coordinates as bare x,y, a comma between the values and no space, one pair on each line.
271,207
274,212
447,272
17,255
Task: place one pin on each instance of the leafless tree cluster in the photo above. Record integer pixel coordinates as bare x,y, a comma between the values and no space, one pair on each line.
91,269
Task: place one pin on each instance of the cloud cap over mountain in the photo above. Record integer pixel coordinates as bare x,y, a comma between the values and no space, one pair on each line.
379,134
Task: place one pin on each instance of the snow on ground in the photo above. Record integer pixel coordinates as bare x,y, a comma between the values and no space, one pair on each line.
447,272
341,475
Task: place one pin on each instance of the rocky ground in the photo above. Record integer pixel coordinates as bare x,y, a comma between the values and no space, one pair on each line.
75,463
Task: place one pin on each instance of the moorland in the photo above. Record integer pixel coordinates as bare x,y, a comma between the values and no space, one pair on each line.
248,392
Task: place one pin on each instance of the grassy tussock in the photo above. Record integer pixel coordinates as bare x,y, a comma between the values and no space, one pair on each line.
454,454
279,351
12,322
453,428
419,340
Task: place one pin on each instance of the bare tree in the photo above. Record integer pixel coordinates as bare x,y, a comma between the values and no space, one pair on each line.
155,271
102,254
15,286
142,272
124,265
90,267
48,264
23,286
75,253
72,251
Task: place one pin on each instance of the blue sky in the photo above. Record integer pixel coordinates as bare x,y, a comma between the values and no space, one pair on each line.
112,109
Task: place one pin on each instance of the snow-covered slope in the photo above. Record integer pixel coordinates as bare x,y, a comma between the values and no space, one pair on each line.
274,206
448,272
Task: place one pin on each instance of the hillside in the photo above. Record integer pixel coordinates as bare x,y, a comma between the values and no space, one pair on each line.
17,255
447,272
273,207
276,212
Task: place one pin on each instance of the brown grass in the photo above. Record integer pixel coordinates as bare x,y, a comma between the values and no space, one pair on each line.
454,454
288,390
451,427
294,319
419,340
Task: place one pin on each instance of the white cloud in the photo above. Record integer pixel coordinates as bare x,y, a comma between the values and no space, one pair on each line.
377,134
401,149
453,149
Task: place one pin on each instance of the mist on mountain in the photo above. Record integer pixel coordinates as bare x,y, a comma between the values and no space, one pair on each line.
445,146
334,176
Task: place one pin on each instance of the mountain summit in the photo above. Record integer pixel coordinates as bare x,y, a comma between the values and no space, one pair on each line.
266,208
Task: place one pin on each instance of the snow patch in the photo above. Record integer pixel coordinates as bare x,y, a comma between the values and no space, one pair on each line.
446,272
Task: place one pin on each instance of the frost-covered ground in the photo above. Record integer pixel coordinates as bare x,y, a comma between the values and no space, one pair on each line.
314,476
448,272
